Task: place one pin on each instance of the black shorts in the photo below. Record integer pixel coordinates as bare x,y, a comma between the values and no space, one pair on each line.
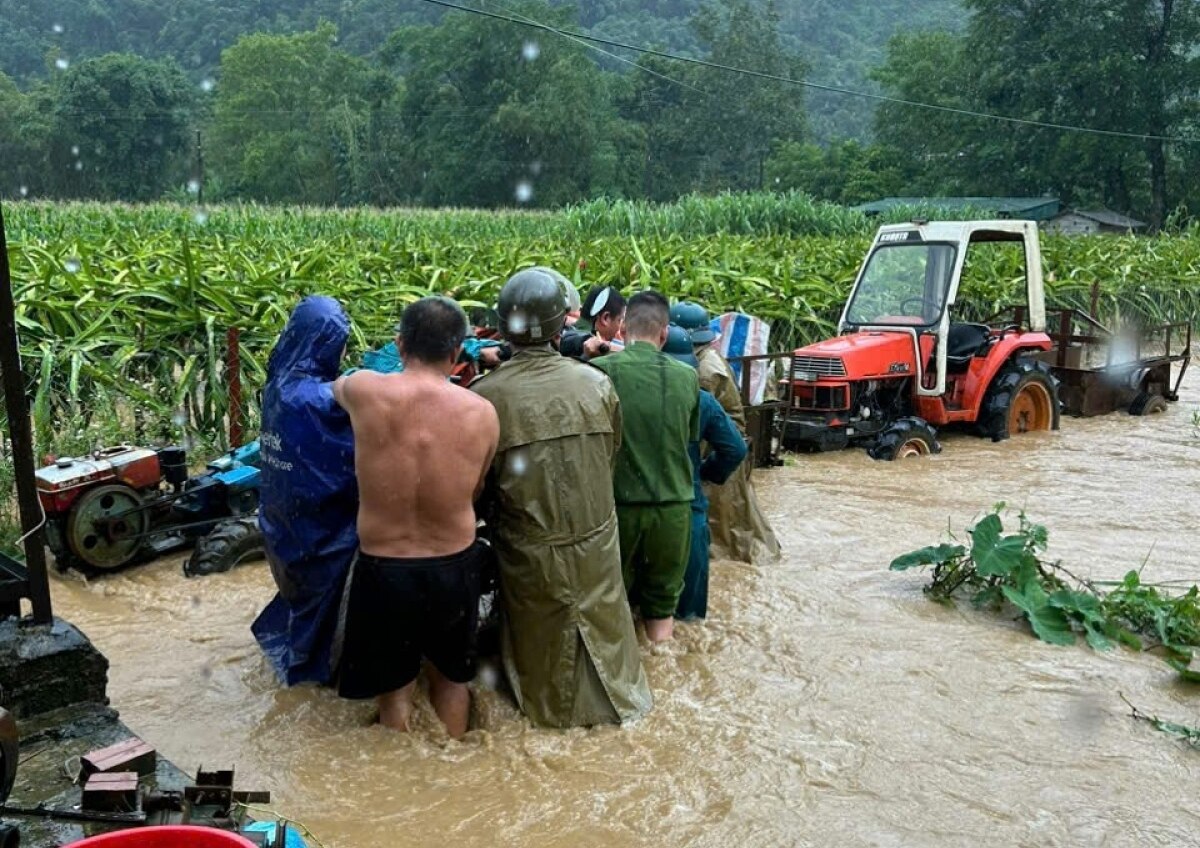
401,610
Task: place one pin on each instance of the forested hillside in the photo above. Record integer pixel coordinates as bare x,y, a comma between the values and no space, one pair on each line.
841,40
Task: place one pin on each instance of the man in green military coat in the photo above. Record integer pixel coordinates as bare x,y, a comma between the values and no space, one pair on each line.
569,646
660,403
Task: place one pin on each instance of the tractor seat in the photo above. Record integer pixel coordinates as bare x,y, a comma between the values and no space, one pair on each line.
963,342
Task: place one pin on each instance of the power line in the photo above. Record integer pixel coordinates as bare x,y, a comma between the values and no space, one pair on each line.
649,51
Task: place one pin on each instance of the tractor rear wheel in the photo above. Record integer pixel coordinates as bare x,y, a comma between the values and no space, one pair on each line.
1023,398
905,438
229,544
1148,404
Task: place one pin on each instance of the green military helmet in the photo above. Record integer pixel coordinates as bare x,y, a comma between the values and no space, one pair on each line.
574,304
679,346
533,307
694,318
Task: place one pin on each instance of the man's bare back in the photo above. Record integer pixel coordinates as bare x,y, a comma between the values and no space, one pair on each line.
422,447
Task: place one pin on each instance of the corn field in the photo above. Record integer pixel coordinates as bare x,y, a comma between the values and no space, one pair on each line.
123,310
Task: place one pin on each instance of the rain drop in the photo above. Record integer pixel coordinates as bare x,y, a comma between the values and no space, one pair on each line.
517,322
518,462
200,218
524,191
179,418
531,51
535,168
72,265
193,187
207,85
62,64
78,165
75,150
24,191
58,28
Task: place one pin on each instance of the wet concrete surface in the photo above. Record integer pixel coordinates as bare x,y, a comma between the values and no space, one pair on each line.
826,701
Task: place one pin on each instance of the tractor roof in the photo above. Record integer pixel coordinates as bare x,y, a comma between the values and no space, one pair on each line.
959,231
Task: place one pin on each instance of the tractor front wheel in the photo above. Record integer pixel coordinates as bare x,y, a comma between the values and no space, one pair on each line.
905,438
1023,398
1148,404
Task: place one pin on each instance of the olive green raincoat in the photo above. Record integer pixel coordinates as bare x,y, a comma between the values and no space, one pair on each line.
736,522
569,646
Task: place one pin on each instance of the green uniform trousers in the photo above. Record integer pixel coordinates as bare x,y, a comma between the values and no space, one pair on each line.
655,544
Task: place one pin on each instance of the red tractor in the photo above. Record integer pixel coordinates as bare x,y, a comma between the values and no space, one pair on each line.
903,365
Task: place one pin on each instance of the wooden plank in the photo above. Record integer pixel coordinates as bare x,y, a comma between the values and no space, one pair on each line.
130,755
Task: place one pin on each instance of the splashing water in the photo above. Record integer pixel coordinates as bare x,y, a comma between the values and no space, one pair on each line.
62,64
530,51
524,192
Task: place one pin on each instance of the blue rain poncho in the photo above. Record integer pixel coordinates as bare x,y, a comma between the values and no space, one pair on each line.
308,496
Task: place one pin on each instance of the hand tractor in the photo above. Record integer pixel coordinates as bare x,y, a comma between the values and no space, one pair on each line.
905,362
126,504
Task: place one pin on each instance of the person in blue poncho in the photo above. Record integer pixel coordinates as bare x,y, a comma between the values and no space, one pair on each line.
308,496
726,450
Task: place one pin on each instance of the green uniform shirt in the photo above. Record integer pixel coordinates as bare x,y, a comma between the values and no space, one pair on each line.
660,412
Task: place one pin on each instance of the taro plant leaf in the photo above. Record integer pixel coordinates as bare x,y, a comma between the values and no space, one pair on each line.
1049,623
995,556
933,555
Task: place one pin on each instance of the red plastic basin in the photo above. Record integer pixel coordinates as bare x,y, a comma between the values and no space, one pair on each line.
169,836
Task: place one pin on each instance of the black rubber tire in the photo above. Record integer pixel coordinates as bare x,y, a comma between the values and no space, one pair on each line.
227,545
1147,404
1013,376
901,432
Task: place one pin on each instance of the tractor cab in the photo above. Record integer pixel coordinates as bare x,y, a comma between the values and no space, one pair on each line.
909,358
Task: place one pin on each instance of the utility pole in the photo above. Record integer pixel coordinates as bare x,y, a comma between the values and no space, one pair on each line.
199,168
21,435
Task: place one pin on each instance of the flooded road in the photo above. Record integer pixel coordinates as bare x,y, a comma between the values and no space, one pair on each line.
825,702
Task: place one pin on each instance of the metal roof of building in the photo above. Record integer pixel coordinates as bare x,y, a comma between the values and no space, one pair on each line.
1111,219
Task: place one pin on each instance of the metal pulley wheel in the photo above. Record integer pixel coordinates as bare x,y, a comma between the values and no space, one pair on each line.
106,525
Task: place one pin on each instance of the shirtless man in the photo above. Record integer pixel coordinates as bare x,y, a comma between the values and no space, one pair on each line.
422,447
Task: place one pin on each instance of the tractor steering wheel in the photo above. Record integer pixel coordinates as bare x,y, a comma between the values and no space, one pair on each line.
922,301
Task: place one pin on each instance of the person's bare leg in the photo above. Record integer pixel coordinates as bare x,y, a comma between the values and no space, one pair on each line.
451,701
660,629
396,708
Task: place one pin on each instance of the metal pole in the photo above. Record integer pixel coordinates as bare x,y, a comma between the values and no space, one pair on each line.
21,435
233,375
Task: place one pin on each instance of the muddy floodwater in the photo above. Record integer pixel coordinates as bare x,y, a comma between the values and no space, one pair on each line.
825,702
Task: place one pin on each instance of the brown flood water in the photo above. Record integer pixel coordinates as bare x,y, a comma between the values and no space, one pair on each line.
825,702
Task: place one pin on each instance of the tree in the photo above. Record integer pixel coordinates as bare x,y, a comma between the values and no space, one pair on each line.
709,129
498,115
119,126
1128,66
847,173
290,117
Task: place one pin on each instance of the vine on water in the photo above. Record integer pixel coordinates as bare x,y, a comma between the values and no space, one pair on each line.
995,570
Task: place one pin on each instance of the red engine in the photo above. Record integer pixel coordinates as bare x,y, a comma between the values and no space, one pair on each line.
60,485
